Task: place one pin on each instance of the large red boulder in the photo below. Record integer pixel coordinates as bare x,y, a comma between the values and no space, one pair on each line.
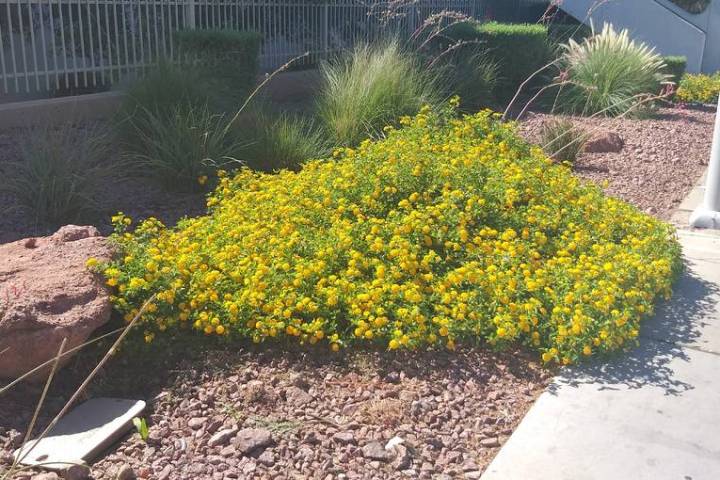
47,294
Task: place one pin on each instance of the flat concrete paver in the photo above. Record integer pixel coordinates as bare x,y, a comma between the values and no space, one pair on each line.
653,413
82,434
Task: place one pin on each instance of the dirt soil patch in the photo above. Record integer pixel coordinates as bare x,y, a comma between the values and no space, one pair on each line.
662,159
257,414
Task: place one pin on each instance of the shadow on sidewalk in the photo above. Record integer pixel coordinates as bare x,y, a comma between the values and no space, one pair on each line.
663,339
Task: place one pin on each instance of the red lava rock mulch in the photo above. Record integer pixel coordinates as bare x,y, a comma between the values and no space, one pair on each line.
662,159
258,414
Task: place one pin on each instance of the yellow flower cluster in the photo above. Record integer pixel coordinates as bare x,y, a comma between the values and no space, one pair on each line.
448,230
699,88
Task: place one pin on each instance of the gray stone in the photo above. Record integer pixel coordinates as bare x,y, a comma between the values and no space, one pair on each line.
76,472
297,396
489,442
375,451
196,423
125,472
222,437
83,433
403,459
251,439
46,476
267,458
344,438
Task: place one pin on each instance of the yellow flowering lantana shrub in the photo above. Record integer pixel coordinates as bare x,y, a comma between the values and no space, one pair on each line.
699,88
449,230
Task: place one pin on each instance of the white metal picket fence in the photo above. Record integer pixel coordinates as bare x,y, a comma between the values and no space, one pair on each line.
77,45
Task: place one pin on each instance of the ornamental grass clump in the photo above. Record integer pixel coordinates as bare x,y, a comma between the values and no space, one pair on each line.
562,140
371,87
448,230
61,174
270,142
182,149
609,74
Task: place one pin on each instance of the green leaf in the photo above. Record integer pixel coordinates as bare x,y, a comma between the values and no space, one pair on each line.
141,427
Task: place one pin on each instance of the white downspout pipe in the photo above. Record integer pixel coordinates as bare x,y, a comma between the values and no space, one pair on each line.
707,215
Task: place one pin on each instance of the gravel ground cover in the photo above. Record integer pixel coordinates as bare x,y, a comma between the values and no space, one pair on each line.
661,161
257,414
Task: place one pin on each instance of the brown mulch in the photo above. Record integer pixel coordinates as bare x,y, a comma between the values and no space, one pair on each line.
327,415
663,157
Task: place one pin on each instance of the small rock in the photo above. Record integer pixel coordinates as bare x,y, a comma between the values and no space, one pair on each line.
73,233
222,437
255,391
490,442
474,475
375,451
15,437
214,425
299,380
393,442
125,472
393,377
453,457
350,409
297,396
228,451
165,473
196,423
604,142
45,476
403,459
417,407
154,438
250,439
76,472
344,438
266,458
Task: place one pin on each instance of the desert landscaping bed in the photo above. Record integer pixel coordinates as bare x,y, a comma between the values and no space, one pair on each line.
659,163
254,413
259,414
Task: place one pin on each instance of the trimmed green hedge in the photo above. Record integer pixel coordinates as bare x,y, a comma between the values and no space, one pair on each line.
228,58
518,49
675,67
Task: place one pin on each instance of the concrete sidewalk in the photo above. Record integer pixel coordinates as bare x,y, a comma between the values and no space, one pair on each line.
653,413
